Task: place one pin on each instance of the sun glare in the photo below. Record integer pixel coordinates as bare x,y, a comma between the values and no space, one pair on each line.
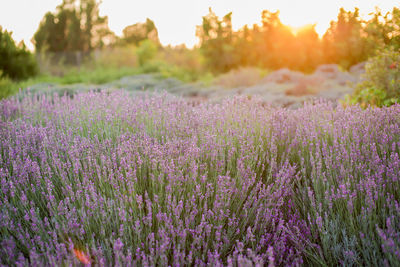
298,21
169,15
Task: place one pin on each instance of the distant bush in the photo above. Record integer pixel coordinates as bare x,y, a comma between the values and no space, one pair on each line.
16,62
146,51
177,72
116,57
167,70
240,77
303,87
6,87
93,75
184,64
381,84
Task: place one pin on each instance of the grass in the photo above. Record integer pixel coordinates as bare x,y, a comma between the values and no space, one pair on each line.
102,75
86,76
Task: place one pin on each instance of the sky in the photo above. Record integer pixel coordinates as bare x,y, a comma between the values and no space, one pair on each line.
176,20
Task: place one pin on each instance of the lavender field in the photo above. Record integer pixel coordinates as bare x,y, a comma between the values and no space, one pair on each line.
111,179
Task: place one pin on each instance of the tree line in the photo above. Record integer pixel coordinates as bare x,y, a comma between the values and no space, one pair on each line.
77,26
271,44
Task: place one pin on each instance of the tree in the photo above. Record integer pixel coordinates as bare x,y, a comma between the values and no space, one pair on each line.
16,62
394,24
377,30
50,36
381,83
276,47
383,30
244,46
216,42
307,49
345,42
136,33
271,44
146,51
75,26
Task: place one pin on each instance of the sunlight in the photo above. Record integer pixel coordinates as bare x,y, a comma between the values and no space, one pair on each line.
169,15
199,133
297,30
298,21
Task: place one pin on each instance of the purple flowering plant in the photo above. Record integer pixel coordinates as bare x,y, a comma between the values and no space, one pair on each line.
111,179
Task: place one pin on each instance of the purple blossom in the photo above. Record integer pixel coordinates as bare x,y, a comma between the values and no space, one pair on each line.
153,180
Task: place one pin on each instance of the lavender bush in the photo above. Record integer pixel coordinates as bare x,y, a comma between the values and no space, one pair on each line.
108,179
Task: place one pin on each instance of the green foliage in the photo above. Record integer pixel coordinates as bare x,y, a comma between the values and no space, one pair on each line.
146,51
115,57
16,62
6,87
92,75
75,26
308,47
383,29
98,75
103,75
9,87
179,73
370,96
344,42
381,84
274,41
273,45
190,60
216,40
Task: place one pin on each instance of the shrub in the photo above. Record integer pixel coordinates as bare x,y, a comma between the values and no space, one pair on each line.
303,87
16,62
381,84
371,96
245,77
182,63
116,57
146,51
190,59
6,87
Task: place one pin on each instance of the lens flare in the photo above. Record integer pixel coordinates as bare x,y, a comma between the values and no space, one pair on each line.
81,256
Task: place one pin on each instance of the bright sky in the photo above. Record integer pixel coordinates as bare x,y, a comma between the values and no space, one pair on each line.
176,20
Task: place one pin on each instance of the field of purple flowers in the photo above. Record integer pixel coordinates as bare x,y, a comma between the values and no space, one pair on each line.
108,179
